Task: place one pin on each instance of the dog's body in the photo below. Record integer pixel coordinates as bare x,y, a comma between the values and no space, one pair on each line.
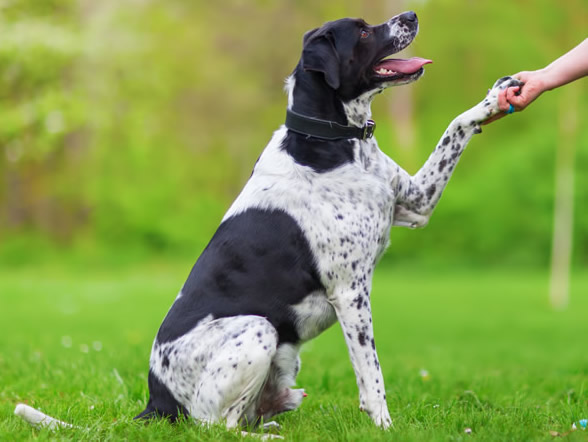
297,249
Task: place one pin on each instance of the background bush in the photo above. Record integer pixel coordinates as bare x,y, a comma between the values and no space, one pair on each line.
127,128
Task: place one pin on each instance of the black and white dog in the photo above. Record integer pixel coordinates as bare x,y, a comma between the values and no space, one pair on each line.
297,249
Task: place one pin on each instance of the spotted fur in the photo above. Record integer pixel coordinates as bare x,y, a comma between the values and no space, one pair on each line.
297,249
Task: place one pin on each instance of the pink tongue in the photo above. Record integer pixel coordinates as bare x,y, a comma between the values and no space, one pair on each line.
402,66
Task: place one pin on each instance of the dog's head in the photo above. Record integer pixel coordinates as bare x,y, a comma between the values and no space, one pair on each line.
354,56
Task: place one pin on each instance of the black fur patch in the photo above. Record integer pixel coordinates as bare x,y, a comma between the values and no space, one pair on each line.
320,155
442,165
257,263
161,402
362,338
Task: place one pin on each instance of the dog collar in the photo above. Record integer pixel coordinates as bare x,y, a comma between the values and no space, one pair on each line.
327,130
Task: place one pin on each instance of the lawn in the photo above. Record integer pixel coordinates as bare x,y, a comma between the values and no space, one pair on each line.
459,350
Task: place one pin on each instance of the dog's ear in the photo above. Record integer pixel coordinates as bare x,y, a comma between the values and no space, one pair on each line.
319,55
308,35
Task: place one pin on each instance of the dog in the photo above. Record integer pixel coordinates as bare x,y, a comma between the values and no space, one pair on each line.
297,249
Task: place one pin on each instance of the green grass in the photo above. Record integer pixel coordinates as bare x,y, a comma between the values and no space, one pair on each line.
76,345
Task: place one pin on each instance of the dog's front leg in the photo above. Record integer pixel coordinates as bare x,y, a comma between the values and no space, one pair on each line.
418,195
354,313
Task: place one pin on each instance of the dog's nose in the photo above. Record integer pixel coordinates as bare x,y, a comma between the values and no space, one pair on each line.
409,16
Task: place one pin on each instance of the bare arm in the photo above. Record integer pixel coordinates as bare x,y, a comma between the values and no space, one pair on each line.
567,68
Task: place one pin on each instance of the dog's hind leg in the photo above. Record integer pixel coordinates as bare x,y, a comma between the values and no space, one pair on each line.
232,380
277,396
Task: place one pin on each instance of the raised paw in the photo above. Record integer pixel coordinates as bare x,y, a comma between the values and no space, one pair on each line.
489,107
506,82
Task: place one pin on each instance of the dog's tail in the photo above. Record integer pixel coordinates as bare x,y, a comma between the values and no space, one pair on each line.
39,419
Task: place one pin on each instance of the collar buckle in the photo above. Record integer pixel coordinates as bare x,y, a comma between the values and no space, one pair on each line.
368,130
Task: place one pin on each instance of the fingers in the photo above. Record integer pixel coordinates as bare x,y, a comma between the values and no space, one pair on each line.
532,88
516,98
505,98
511,93
503,104
522,76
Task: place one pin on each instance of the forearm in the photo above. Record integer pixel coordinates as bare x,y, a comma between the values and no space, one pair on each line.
567,68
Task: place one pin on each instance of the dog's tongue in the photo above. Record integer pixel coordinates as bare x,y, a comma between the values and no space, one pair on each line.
403,66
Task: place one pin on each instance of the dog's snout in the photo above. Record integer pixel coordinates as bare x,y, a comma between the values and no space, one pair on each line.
408,17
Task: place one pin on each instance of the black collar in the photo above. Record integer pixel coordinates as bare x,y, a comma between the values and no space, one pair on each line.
327,130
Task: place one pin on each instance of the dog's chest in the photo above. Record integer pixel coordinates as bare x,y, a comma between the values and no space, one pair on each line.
349,217
350,214
345,213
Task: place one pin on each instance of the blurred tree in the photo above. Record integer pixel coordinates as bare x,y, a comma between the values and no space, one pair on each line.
561,254
132,125
401,100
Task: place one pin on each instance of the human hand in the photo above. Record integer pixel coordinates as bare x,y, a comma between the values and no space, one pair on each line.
569,67
503,103
520,97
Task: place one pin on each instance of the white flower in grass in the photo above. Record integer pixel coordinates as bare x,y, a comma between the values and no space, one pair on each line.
425,375
84,348
97,345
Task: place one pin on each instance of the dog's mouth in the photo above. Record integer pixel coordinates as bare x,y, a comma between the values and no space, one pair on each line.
392,69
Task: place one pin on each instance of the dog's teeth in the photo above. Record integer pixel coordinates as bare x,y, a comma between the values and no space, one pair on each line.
384,71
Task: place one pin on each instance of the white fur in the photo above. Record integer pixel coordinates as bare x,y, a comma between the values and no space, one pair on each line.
289,85
314,315
39,419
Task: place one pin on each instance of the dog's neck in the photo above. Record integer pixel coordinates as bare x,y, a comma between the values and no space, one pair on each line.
359,110
309,96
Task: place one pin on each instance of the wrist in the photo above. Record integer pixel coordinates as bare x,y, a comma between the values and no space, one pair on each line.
545,79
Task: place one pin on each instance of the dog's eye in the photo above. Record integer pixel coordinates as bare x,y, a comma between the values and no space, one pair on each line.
364,33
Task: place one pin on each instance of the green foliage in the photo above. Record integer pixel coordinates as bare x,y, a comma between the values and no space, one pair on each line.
133,125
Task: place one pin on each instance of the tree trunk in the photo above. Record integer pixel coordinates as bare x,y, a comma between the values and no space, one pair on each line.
561,254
